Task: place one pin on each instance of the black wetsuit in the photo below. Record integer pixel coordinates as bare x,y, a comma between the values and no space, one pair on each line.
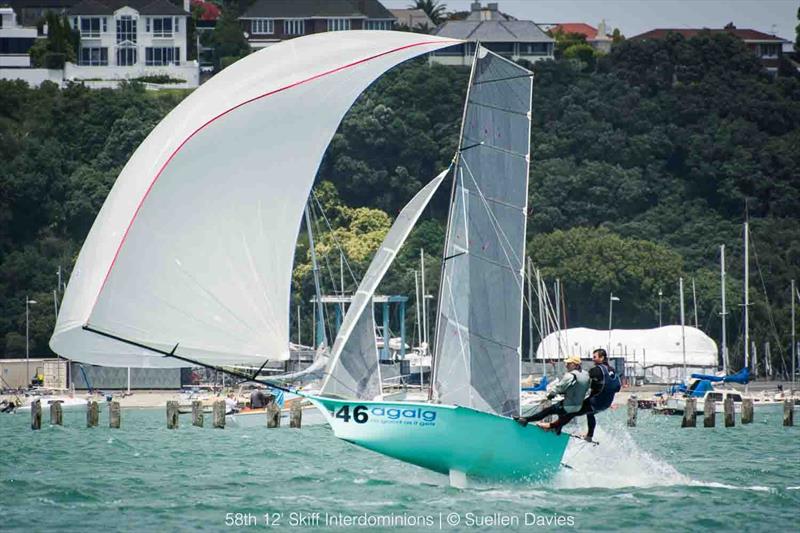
595,387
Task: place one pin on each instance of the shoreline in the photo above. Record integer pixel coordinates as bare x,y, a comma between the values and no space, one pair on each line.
157,398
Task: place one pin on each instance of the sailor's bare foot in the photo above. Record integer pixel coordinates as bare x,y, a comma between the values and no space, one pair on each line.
586,437
544,425
521,420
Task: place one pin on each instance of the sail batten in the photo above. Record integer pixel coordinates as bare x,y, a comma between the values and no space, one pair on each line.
479,334
195,242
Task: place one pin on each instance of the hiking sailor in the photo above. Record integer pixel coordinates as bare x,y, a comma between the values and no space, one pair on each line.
573,387
605,385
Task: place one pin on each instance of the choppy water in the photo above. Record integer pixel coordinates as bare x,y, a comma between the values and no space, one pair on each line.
656,477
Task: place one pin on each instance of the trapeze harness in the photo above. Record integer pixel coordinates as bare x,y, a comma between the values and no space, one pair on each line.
611,386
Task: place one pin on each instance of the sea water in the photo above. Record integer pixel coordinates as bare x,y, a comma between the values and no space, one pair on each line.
144,477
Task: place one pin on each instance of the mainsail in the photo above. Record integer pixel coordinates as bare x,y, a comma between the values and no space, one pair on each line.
354,371
479,326
192,251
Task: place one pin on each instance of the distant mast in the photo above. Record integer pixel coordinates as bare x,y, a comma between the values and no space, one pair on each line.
724,311
683,329
746,295
794,340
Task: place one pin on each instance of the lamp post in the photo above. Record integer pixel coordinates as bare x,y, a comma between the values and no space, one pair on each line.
611,300
660,294
28,304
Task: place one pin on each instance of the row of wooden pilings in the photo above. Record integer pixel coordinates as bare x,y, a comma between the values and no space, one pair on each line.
273,414
709,413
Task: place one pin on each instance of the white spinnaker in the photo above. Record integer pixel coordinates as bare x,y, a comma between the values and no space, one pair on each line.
194,244
354,370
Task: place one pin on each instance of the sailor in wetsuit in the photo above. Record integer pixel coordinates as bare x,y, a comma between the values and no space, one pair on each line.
604,385
573,386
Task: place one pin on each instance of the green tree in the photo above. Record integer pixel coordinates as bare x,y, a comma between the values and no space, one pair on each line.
60,46
594,262
435,9
228,39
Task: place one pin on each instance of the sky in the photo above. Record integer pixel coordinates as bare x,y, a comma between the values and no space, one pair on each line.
633,17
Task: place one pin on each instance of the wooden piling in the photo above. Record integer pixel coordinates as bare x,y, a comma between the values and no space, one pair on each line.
747,411
633,406
36,414
273,415
709,413
114,415
730,414
788,413
92,414
296,414
219,414
197,413
689,413
172,414
56,414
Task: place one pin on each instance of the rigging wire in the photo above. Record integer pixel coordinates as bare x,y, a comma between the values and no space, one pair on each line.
769,306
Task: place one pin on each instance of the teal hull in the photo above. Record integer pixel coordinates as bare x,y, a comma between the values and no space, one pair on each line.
447,439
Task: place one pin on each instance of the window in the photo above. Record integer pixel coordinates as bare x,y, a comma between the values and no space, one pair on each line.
534,49
714,396
503,49
338,24
162,56
90,27
736,397
176,24
162,27
262,26
126,29
94,56
770,50
294,27
126,56
378,25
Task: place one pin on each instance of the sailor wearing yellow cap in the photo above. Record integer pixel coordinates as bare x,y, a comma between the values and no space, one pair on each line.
574,387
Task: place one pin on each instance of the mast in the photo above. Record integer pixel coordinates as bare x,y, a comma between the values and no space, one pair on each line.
683,329
416,305
424,336
694,300
557,289
315,268
542,327
746,295
794,340
530,311
724,311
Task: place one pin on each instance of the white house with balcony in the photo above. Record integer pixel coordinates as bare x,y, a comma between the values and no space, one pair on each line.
15,44
130,40
495,30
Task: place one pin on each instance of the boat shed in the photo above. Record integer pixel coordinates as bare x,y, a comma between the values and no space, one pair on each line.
656,354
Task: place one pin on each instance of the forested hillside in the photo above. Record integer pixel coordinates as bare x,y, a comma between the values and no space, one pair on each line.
643,163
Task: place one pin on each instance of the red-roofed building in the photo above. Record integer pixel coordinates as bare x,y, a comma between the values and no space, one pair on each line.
597,37
768,48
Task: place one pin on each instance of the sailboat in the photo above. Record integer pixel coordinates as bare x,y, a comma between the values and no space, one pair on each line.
466,429
189,260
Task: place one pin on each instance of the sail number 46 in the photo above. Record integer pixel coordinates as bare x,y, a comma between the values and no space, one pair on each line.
359,413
